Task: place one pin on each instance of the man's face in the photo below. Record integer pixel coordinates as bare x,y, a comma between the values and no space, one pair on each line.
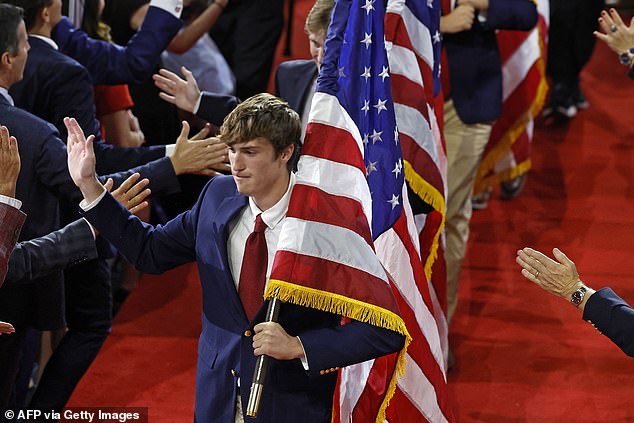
18,61
259,171
317,40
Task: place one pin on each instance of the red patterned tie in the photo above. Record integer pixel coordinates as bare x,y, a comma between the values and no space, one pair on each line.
253,272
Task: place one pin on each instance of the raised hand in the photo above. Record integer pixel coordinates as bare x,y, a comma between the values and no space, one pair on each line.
558,277
618,36
199,155
9,162
81,161
131,194
183,93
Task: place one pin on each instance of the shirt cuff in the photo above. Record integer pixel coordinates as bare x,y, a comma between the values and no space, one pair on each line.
169,150
13,202
303,359
197,105
85,206
175,7
482,17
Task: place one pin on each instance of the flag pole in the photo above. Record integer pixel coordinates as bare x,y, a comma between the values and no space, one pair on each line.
261,364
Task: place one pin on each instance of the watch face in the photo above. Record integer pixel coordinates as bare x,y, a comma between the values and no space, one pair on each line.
576,298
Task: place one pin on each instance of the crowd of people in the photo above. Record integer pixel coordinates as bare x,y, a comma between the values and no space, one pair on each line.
112,71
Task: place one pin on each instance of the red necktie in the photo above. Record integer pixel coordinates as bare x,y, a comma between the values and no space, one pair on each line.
253,271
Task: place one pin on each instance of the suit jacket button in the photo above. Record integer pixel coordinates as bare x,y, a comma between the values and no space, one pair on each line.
322,372
247,333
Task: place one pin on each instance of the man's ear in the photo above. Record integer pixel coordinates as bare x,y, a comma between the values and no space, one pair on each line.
287,152
5,58
45,15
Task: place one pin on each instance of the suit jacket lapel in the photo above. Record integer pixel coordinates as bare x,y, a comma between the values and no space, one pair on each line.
228,210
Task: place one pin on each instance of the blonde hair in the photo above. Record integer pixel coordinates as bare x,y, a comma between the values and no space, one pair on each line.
319,16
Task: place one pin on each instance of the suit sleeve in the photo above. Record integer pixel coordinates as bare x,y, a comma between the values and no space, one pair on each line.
66,247
52,170
215,107
11,221
110,64
150,249
73,96
613,317
511,14
348,344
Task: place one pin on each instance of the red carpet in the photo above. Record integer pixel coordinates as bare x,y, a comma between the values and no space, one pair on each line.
522,355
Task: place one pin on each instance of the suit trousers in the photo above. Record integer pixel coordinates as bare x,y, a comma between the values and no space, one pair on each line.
89,318
465,146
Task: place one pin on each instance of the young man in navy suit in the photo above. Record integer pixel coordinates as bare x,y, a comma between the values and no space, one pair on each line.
307,345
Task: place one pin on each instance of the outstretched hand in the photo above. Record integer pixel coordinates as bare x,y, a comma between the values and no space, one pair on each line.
181,92
131,194
82,161
618,36
9,163
6,328
199,155
557,277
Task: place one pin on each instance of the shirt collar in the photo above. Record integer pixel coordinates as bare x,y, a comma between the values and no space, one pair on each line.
47,40
275,214
5,93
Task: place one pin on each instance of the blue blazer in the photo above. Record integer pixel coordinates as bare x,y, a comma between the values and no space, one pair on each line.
293,80
111,64
225,351
43,182
55,86
475,68
613,317
292,83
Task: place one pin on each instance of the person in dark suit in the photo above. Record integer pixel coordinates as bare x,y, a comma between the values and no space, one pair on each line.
111,64
43,180
472,86
603,309
294,79
307,345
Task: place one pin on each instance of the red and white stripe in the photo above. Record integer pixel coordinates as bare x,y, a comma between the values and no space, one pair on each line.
523,90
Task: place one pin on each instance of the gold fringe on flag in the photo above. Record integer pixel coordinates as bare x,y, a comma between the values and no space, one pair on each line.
435,199
353,309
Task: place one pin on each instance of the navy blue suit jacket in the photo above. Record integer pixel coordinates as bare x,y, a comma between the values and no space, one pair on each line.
44,181
55,86
475,68
225,349
293,81
613,317
110,64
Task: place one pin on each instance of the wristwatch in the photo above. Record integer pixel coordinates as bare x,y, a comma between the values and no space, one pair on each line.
577,297
625,58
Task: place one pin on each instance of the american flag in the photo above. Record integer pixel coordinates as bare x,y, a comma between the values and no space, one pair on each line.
524,90
412,32
349,243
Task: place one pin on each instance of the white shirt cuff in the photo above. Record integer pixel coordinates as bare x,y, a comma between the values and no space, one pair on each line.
303,359
13,202
85,206
482,17
197,105
175,7
169,150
